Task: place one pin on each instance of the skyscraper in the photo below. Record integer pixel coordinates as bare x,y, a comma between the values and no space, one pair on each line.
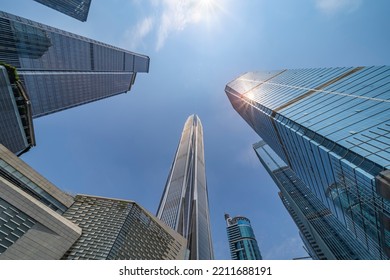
184,205
57,70
330,126
16,125
77,9
121,230
324,236
242,240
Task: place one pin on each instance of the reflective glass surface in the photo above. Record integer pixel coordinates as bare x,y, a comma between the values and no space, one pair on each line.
331,127
61,69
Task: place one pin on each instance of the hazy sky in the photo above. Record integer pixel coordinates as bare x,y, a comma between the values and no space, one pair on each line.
123,147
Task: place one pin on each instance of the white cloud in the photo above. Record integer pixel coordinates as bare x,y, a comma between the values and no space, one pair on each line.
141,30
170,16
176,16
334,6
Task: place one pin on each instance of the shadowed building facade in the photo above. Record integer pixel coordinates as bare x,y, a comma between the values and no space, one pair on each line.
184,204
31,208
242,241
56,70
77,9
330,126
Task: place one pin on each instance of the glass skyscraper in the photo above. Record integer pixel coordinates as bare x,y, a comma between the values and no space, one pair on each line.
324,236
184,204
331,127
242,240
57,70
77,9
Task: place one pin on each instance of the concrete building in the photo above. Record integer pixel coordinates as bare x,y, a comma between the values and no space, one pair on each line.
31,208
121,230
39,221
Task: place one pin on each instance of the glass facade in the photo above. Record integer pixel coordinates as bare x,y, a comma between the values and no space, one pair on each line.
120,230
61,70
242,240
184,205
13,134
77,9
322,233
22,182
331,127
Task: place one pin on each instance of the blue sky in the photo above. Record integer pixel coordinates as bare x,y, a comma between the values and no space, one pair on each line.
123,146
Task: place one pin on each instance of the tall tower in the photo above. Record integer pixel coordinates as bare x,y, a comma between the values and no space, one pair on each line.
50,70
330,126
77,9
242,240
323,234
184,205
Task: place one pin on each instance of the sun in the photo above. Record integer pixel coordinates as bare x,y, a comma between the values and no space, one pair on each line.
205,10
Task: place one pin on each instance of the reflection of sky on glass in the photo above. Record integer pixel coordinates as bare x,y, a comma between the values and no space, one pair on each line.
123,146
270,158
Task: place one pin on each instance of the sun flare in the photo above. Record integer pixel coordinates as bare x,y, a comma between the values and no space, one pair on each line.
205,10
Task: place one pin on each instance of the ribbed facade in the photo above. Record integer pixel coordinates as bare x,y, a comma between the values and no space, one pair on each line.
120,230
77,9
242,241
331,127
184,204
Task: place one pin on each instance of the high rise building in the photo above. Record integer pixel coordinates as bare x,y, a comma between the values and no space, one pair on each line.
330,126
121,230
55,70
184,204
324,236
16,125
242,240
77,9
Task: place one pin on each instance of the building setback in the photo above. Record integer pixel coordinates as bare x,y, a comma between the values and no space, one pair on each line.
184,204
77,9
330,126
242,240
56,70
